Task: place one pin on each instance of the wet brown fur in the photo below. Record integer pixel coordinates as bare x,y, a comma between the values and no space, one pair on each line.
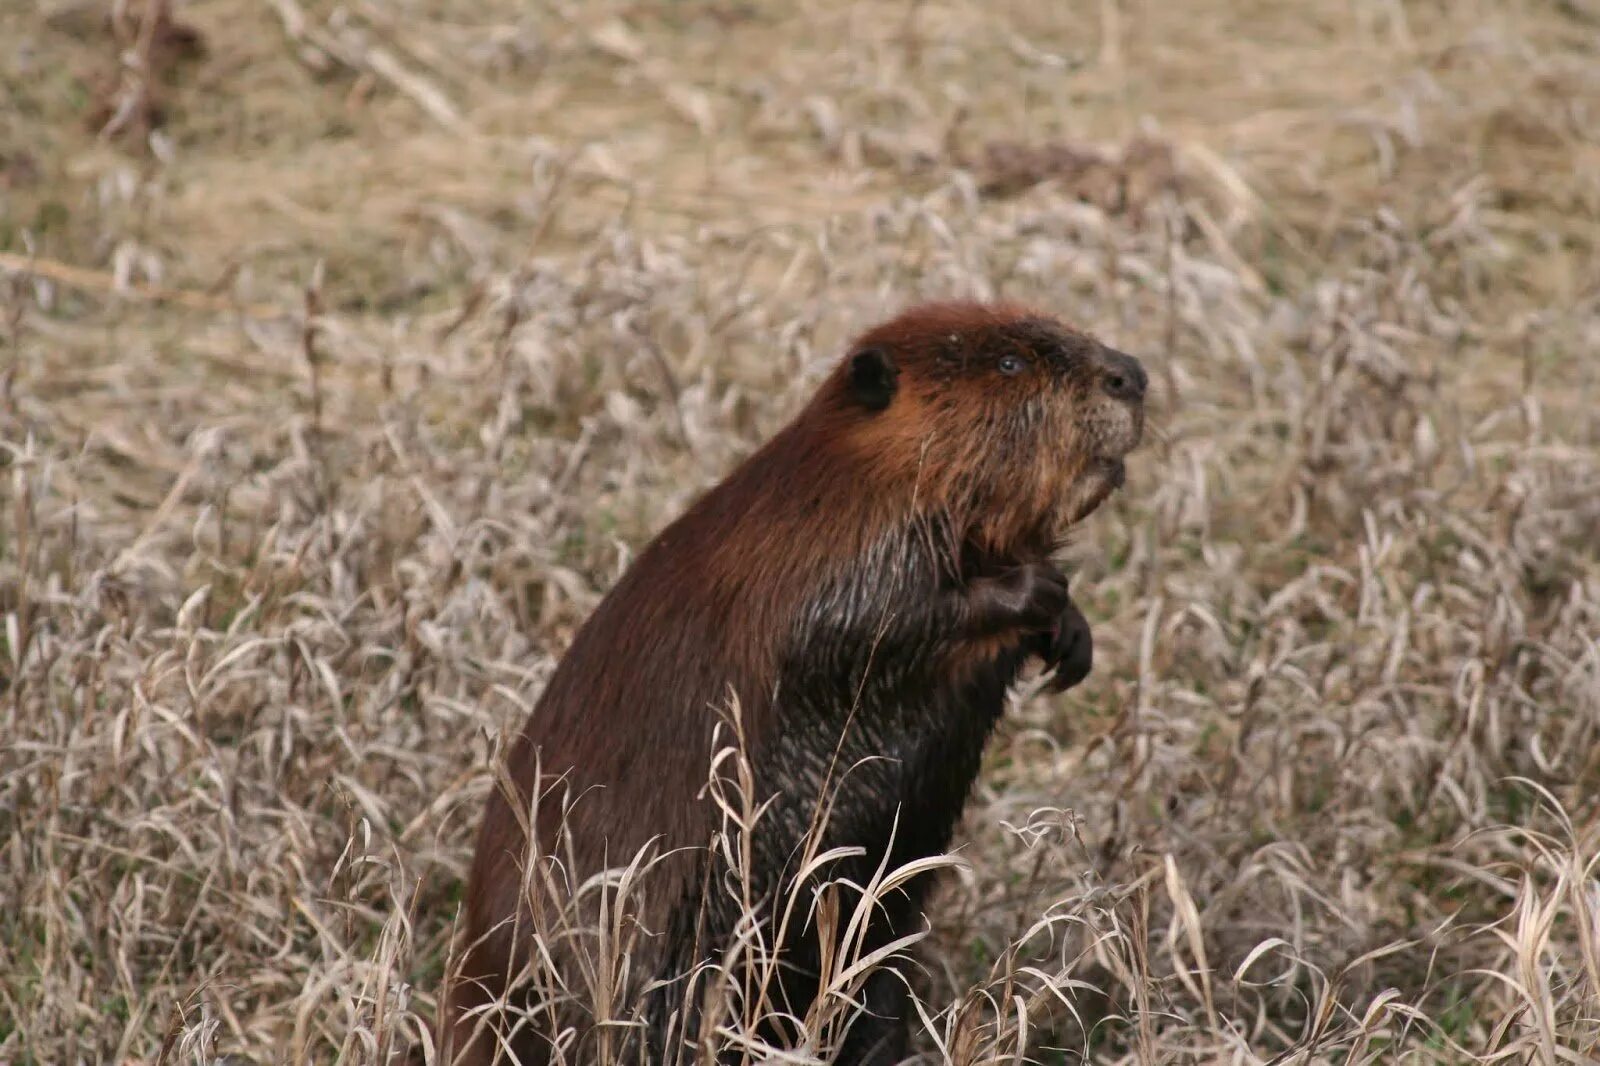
965,469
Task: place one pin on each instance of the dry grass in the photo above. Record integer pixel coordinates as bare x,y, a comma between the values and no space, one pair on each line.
331,406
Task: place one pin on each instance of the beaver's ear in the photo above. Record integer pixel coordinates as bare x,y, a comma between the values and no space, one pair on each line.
873,378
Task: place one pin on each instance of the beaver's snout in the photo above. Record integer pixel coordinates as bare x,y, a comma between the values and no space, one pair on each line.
1121,376
1113,417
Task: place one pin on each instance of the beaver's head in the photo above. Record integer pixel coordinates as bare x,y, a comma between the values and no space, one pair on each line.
1008,420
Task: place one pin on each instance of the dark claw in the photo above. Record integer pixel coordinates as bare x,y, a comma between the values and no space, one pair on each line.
1067,649
1071,650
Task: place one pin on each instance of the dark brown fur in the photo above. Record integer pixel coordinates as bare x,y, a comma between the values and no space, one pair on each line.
868,585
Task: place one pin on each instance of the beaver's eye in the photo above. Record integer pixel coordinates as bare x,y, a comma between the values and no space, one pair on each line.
1011,364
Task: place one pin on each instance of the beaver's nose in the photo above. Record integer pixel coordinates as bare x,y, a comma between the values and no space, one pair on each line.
1122,377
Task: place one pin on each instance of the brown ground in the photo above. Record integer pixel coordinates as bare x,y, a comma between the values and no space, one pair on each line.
269,592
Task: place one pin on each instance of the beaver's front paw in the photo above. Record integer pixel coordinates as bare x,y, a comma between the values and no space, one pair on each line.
1068,649
1029,597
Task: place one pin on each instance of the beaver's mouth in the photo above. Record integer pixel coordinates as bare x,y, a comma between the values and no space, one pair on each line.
1103,476
1110,468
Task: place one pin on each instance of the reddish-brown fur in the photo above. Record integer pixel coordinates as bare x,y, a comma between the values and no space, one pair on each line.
848,513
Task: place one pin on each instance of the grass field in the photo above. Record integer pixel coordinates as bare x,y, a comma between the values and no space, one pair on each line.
350,349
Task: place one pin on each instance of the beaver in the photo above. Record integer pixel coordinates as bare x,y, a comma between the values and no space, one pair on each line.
867,587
